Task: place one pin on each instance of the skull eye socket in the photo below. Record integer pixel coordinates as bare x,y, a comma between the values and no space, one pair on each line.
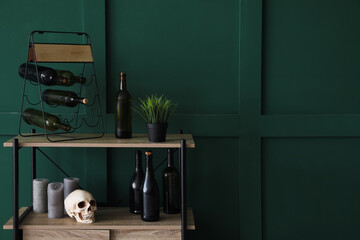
81,204
93,203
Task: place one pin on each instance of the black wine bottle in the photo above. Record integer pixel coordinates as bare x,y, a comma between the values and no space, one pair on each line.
69,78
123,110
150,190
35,117
171,186
47,76
136,183
63,98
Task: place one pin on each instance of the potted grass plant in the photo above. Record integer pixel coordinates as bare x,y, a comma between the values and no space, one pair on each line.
156,111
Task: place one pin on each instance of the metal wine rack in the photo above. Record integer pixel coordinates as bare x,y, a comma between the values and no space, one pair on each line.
83,117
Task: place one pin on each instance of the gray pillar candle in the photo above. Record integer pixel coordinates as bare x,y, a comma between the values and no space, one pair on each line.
40,195
56,200
70,184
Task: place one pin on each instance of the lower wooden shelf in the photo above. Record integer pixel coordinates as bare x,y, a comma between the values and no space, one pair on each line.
111,224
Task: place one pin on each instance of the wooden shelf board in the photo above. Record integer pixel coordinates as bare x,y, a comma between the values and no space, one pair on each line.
106,218
108,141
60,53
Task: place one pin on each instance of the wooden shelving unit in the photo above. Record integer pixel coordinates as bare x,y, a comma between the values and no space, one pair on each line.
111,218
111,223
107,141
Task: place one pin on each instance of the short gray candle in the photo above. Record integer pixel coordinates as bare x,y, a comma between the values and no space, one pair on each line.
70,184
56,200
40,195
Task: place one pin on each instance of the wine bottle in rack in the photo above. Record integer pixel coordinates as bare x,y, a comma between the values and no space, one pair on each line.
69,78
63,98
47,76
135,185
35,117
123,127
171,186
151,210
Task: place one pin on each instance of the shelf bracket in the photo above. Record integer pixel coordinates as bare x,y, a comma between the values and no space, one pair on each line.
53,162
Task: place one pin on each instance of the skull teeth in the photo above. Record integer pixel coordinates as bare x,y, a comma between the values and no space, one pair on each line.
85,217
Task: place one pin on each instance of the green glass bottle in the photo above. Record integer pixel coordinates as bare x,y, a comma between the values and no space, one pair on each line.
47,76
150,189
69,79
171,186
63,98
35,117
123,110
136,183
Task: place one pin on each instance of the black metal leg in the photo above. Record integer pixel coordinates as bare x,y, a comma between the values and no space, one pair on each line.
16,231
180,132
183,187
33,162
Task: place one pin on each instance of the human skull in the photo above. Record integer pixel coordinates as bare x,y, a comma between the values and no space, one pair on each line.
81,205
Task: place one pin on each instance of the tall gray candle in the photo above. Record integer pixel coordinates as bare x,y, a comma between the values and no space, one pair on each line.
70,184
56,200
40,195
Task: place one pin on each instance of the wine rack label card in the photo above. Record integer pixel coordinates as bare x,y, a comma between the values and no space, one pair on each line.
60,53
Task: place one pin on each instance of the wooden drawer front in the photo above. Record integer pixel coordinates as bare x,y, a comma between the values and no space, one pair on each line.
145,235
66,234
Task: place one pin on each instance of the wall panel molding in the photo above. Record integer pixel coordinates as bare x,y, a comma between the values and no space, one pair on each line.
222,125
328,125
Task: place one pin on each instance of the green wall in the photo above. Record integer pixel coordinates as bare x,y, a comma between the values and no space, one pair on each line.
299,131
267,88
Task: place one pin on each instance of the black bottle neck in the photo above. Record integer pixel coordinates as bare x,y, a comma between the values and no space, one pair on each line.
79,100
170,158
122,83
76,99
62,126
77,79
149,165
138,165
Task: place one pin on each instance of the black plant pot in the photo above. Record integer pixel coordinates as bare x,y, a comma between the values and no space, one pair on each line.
157,131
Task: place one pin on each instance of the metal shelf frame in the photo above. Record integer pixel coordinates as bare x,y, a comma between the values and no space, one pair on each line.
17,233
